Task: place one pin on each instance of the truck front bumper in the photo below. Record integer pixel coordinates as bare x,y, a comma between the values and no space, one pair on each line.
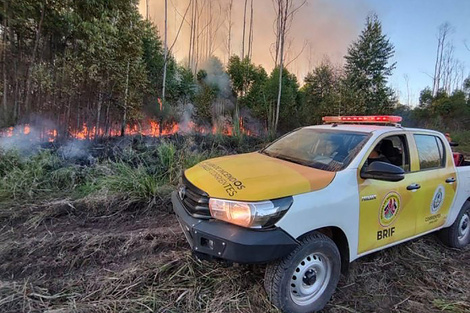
213,239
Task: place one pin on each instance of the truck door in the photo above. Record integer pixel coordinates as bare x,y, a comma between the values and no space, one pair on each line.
438,182
386,213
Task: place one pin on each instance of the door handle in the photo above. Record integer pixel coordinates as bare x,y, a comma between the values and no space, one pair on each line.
450,180
413,187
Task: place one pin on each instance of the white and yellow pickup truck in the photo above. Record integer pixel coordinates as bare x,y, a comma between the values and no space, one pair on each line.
320,197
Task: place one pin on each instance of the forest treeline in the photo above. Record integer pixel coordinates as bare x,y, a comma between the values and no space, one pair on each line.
100,63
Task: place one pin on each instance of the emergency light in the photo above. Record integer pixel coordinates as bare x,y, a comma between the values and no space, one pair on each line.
366,119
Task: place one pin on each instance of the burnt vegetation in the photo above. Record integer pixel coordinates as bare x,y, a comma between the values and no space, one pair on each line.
86,225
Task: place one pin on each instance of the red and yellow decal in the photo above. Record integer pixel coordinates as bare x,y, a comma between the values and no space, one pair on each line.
389,209
255,177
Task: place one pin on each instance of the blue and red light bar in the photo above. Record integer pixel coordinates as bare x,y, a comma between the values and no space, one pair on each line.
364,119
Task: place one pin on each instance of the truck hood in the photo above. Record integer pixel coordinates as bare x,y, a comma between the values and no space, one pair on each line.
255,177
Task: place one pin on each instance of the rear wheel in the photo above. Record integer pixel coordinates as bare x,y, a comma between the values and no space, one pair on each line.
458,234
305,280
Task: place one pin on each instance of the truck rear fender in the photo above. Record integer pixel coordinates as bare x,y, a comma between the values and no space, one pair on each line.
462,195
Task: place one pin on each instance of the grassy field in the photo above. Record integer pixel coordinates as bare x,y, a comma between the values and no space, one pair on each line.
88,227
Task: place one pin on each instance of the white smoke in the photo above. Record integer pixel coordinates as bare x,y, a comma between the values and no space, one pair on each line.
216,76
185,123
26,137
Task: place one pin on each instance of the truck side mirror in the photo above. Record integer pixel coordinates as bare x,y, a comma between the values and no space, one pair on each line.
383,171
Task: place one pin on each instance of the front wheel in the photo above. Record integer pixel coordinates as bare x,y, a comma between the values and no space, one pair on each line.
304,280
458,234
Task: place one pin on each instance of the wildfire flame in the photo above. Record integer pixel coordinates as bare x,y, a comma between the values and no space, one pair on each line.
150,128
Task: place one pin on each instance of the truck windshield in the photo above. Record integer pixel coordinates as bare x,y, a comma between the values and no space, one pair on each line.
322,149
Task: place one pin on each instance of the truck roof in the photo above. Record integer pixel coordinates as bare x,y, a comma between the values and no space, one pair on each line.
367,128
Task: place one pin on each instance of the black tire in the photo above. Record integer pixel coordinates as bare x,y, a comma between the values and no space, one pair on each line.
317,263
458,234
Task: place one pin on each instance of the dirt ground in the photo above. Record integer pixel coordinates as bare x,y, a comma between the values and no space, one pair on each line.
113,255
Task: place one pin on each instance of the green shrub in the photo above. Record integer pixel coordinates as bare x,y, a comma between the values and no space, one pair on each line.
139,170
34,175
136,183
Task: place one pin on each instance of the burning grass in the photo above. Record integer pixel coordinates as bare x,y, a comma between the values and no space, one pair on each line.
93,231
140,167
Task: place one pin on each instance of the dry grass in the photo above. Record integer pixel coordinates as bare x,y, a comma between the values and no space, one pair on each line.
107,254
115,246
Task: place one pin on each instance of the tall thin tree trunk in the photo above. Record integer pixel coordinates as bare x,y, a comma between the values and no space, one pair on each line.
78,126
276,120
107,119
4,69
444,30
436,65
191,28
282,36
250,37
15,90
98,114
278,30
166,52
229,48
88,118
33,59
147,9
244,26
196,40
67,122
165,64
126,92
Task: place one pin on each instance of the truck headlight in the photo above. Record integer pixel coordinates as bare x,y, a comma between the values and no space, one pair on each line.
250,214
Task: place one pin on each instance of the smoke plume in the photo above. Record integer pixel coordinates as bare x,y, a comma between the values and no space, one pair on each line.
321,28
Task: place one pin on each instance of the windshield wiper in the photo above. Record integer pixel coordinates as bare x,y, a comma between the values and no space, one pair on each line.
312,164
285,158
266,152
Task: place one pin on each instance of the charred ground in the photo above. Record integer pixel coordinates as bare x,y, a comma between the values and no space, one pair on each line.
108,241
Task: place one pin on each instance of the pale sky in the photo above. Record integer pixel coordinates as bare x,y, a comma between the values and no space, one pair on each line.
412,26
327,27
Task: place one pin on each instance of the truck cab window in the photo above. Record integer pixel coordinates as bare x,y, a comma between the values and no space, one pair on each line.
393,150
430,151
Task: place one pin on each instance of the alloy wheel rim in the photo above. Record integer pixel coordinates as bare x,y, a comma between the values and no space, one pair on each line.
310,279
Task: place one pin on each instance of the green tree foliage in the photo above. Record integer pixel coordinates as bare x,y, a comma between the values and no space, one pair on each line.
185,85
97,62
153,58
367,70
204,99
443,111
90,61
255,96
290,99
321,93
466,85
248,83
243,74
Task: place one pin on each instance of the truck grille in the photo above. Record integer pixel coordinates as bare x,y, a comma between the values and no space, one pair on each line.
195,201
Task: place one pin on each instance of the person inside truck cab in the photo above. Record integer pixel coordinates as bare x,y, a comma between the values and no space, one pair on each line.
377,155
327,148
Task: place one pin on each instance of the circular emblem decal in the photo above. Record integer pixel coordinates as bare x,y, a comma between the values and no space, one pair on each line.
437,199
389,209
